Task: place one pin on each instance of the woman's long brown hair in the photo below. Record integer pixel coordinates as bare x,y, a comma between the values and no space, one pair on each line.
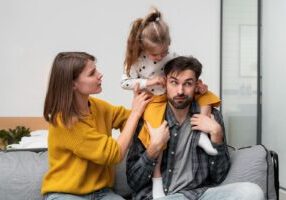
59,97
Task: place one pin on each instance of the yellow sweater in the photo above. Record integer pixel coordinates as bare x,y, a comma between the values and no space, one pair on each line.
154,112
81,158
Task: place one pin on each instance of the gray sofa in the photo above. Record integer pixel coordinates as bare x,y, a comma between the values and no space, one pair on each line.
21,172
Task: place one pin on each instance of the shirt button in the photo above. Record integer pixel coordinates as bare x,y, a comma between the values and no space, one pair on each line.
170,170
165,190
149,176
172,152
175,134
212,162
153,164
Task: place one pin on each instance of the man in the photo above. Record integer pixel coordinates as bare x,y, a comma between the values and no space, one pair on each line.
187,171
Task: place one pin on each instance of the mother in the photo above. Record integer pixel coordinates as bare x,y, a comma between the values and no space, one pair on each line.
82,153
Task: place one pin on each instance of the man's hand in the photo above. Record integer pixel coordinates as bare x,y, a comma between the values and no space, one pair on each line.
159,138
208,125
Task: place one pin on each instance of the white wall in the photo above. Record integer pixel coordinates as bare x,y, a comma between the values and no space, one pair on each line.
273,80
33,32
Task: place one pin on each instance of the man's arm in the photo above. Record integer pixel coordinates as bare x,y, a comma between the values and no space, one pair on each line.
220,163
140,161
139,167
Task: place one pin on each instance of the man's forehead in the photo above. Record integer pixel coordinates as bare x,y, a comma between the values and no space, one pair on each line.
185,74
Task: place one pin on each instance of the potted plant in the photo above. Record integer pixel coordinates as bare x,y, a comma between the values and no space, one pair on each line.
12,136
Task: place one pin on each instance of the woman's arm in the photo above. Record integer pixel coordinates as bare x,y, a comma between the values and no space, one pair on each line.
140,101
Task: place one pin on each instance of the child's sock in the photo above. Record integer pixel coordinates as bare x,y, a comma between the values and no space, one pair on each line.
157,188
206,145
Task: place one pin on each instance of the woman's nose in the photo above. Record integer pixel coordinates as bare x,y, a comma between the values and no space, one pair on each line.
100,75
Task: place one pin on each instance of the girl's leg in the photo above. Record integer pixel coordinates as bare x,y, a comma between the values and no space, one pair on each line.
204,141
206,145
157,188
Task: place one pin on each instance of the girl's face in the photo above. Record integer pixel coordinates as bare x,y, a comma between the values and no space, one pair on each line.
89,80
157,53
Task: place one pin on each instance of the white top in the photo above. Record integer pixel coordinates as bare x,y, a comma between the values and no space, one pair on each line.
143,70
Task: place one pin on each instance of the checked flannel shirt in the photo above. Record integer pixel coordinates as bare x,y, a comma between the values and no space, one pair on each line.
208,171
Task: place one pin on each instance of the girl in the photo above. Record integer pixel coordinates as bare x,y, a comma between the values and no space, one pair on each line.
146,55
82,152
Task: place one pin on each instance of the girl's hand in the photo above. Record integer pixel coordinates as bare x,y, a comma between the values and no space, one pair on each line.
140,100
201,87
157,80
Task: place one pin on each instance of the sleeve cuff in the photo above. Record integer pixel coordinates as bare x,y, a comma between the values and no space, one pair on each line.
143,83
219,147
148,161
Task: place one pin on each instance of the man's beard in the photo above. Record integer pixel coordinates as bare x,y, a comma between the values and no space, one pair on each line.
180,101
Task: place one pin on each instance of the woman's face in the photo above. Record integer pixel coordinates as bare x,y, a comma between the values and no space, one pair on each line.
89,80
157,53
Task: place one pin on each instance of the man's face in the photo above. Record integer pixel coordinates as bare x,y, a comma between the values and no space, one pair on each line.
181,88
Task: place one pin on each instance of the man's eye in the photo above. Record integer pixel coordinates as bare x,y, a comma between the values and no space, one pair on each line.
189,83
173,82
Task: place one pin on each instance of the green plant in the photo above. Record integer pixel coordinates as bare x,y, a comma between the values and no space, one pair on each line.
13,136
4,139
18,133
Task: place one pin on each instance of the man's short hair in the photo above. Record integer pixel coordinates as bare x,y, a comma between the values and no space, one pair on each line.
183,63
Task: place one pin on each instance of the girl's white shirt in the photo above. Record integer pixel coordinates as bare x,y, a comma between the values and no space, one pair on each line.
143,70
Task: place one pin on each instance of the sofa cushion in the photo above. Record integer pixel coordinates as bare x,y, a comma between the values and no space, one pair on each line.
252,164
21,174
121,186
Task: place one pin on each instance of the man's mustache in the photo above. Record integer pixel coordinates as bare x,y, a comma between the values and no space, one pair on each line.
180,96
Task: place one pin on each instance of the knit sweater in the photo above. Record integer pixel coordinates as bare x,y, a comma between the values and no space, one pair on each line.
82,158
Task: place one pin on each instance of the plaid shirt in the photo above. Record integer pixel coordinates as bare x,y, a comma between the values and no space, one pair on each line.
208,171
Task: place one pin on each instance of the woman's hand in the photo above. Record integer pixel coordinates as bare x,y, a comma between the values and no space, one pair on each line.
208,125
140,100
157,80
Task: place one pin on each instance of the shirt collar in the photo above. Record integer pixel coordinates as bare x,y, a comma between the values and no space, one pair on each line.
170,116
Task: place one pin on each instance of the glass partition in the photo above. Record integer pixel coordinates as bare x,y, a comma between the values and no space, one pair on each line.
239,71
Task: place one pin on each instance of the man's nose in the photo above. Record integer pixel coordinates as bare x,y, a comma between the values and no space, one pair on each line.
180,89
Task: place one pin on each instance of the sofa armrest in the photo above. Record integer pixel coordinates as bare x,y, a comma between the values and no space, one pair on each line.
275,161
253,164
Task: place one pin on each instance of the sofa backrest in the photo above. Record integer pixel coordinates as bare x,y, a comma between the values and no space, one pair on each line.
21,173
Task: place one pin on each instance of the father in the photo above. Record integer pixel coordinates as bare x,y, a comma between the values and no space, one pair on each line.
187,171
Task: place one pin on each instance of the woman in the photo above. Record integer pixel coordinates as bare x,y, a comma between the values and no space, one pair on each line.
82,153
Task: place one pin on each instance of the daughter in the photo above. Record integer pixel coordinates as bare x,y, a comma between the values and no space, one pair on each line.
146,55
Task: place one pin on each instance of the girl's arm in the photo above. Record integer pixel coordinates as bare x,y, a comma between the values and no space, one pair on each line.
129,82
